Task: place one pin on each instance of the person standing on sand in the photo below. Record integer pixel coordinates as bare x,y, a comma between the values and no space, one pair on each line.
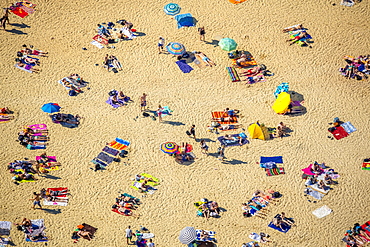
129,235
36,200
202,33
150,244
159,113
143,102
191,132
160,45
221,153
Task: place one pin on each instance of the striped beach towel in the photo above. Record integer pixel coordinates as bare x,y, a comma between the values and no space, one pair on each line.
232,74
221,114
274,171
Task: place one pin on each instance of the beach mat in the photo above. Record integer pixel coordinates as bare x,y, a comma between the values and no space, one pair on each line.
348,127
199,62
89,228
105,157
110,151
184,67
230,143
274,159
5,227
97,44
221,114
117,145
339,133
365,165
284,227
315,192
275,171
322,212
19,12
99,162
232,74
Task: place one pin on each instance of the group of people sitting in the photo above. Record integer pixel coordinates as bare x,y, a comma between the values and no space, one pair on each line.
34,233
257,205
321,177
63,118
281,130
25,61
125,203
73,84
118,98
280,220
356,68
27,137
207,208
26,169
125,31
184,154
358,236
111,62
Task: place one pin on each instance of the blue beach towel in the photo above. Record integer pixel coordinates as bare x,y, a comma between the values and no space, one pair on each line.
184,67
348,127
275,159
285,227
283,87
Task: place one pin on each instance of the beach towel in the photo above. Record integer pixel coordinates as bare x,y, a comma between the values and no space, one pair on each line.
52,159
284,227
5,227
348,3
97,44
110,102
51,203
236,1
99,162
275,159
308,170
38,228
221,114
232,74
184,67
275,171
117,145
24,68
338,132
211,235
19,12
105,157
124,142
316,193
28,7
366,164
4,120
233,142
98,38
348,127
255,79
322,212
110,151
89,229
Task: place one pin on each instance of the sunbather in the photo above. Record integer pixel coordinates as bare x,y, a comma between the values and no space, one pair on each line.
204,235
51,198
102,31
204,147
251,72
25,176
70,86
286,220
225,119
5,110
206,59
85,234
66,119
127,212
27,67
300,37
114,61
205,210
358,229
297,27
35,52
6,117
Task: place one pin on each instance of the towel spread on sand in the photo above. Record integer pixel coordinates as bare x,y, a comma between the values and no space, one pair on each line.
184,67
5,227
348,127
322,212
233,142
275,171
275,159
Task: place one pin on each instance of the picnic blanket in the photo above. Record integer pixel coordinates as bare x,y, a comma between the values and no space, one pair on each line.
322,212
338,132
211,235
221,114
348,127
232,74
5,227
183,66
275,159
234,142
274,171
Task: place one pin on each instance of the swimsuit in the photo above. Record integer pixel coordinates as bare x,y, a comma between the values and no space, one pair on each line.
143,103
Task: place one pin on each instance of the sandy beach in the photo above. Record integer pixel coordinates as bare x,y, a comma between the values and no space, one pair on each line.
63,28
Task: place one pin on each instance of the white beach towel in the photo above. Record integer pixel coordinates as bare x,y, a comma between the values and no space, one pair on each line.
50,203
348,127
29,71
37,227
97,44
322,212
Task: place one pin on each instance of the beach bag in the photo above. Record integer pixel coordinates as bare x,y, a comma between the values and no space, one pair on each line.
146,114
153,118
72,93
115,70
276,195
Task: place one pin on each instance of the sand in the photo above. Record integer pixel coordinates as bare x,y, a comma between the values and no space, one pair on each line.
63,28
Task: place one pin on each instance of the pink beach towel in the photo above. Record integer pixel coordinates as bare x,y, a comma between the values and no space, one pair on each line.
309,172
51,158
38,127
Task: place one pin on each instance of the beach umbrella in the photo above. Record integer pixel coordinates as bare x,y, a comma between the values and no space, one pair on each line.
50,107
283,87
227,44
281,103
176,49
172,9
169,147
187,235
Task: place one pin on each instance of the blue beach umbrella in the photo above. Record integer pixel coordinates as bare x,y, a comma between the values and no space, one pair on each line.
227,44
176,49
283,87
50,107
172,9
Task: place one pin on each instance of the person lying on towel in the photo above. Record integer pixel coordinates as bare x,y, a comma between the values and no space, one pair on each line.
224,119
